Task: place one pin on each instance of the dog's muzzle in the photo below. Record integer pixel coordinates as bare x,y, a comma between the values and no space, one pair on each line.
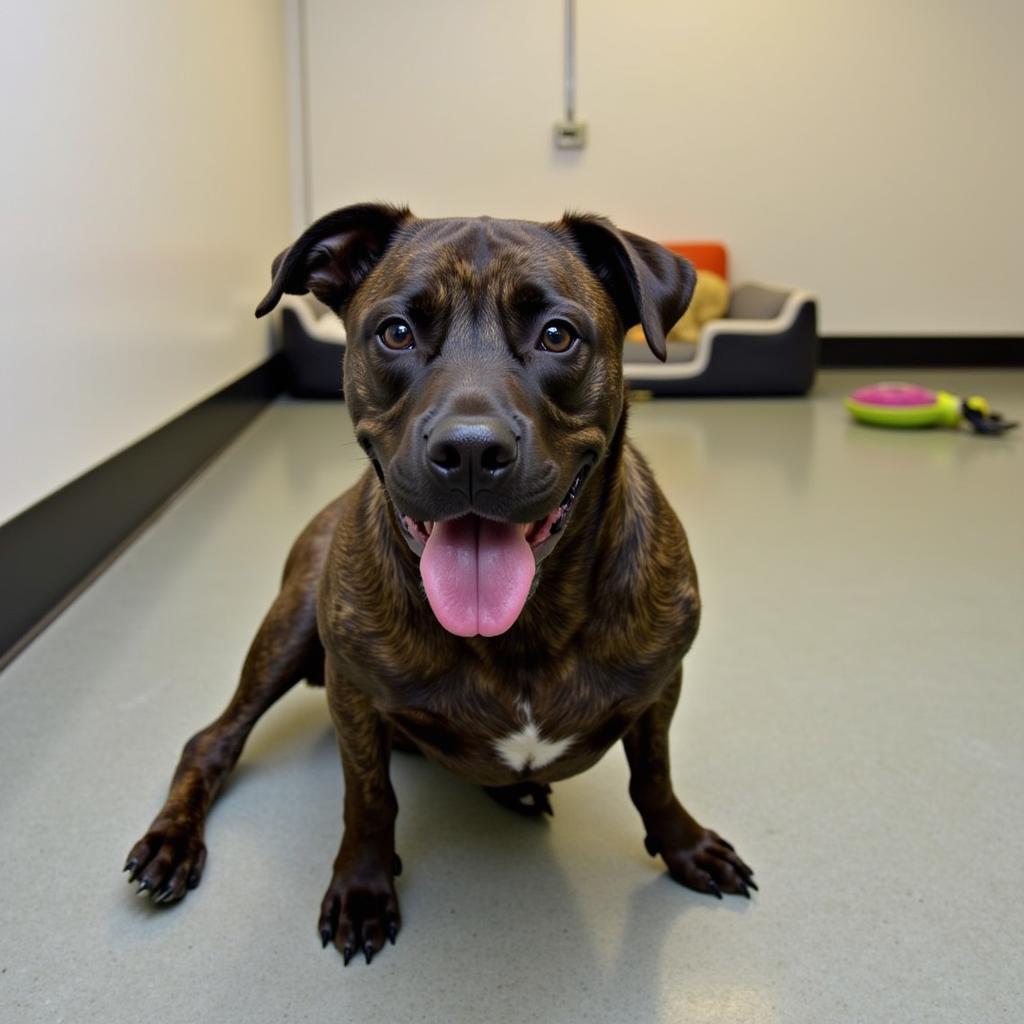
493,525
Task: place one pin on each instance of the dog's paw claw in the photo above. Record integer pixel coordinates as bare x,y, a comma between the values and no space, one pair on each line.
527,798
167,861
360,916
709,865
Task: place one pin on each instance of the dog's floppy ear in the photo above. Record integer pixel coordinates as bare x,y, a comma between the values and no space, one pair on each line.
649,285
332,257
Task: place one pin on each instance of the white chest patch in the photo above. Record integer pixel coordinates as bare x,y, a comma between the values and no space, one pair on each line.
526,748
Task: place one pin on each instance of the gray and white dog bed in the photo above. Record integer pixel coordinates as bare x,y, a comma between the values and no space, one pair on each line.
767,345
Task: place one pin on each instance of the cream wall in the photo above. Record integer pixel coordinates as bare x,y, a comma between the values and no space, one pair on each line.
143,192
870,151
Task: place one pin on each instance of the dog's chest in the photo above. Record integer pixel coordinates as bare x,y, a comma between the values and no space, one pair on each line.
494,737
527,746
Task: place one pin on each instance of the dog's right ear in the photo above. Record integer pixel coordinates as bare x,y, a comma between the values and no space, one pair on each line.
332,257
649,285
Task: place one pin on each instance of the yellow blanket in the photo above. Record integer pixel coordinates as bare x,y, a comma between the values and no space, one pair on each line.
710,302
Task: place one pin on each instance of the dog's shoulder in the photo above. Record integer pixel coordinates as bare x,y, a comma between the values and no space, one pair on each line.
371,609
647,580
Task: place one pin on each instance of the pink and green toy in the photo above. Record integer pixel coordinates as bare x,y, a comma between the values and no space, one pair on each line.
895,404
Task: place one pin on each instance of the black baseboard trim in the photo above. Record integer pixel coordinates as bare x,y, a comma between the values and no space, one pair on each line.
903,350
51,550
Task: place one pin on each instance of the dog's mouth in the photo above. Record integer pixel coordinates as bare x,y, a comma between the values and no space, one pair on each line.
535,533
478,572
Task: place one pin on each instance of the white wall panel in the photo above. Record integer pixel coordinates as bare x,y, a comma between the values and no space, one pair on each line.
866,150
143,191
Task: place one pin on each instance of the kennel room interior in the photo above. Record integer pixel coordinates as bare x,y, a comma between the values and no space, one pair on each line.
833,424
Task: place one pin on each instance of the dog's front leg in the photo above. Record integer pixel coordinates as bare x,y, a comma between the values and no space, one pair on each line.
168,860
696,857
360,908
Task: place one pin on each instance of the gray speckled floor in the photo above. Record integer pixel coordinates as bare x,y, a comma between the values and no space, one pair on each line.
852,719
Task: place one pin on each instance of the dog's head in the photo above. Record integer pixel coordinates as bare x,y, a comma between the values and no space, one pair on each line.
483,374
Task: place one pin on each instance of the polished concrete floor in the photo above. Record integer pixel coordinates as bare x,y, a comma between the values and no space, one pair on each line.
852,719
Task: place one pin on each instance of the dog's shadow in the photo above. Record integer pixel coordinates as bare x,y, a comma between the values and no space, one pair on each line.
571,908
510,899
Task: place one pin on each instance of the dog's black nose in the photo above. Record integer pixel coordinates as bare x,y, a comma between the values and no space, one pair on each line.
469,450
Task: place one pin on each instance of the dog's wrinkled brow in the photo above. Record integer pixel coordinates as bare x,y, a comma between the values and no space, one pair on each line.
429,305
527,298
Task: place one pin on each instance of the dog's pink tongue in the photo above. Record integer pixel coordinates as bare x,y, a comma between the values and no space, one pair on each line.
477,574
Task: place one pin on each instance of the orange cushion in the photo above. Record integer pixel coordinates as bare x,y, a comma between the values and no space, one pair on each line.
703,255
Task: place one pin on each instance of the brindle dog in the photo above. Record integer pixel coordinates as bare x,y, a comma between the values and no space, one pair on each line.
506,589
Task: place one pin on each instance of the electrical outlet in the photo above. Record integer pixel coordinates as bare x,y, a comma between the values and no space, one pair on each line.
570,134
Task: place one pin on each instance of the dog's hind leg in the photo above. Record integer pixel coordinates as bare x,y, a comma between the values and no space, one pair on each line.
696,857
168,860
527,798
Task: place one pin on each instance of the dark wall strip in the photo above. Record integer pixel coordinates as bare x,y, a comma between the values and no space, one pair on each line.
846,351
48,550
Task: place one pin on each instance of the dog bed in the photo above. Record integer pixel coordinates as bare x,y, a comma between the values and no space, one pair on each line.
766,345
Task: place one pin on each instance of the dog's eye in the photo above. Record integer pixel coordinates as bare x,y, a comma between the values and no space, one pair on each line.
396,335
557,336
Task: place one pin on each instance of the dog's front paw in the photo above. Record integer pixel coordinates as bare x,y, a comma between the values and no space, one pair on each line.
360,909
168,860
705,862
